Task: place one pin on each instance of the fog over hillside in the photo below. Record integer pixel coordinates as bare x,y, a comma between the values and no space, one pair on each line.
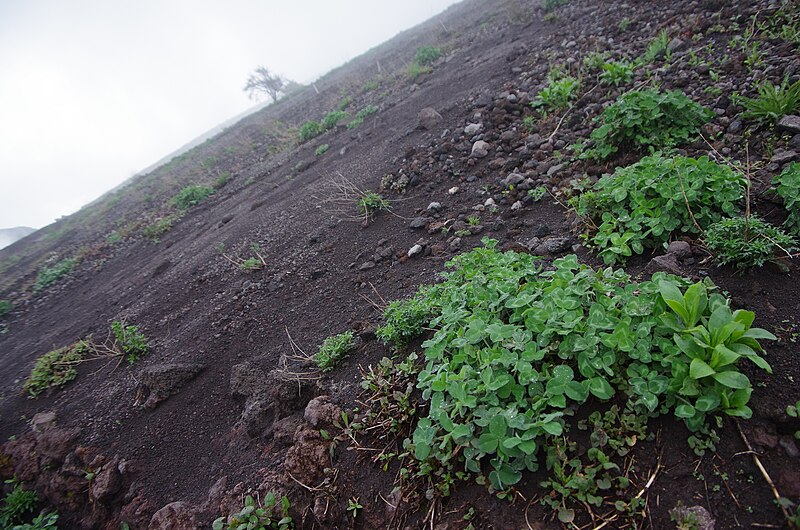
10,235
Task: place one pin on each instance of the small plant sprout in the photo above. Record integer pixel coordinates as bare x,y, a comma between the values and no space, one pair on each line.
322,149
473,220
192,196
255,262
747,242
370,203
354,506
268,515
537,194
334,349
773,101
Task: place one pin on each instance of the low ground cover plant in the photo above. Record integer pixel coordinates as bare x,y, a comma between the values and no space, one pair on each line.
747,242
616,72
159,227
647,120
50,275
558,94
17,504
642,205
788,188
310,129
773,101
5,308
515,348
334,349
192,196
333,118
370,203
58,367
322,149
423,60
258,516
361,115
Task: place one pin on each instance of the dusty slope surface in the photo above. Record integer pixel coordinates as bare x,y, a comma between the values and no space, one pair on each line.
236,421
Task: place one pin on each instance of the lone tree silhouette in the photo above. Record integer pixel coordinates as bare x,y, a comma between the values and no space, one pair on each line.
263,81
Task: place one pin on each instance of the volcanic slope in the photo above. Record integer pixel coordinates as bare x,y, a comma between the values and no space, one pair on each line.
224,404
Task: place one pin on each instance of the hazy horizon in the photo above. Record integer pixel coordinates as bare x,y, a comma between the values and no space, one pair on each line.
95,92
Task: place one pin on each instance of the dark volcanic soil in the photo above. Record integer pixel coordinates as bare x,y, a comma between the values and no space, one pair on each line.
235,424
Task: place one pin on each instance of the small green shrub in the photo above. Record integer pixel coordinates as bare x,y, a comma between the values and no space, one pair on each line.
332,119
344,103
192,196
5,308
642,205
334,349
55,368
537,194
370,203
616,73
370,85
43,521
159,227
129,341
310,129
788,189
747,243
222,179
50,275
405,319
16,504
322,149
624,24
426,55
113,238
773,102
516,348
558,94
361,115
649,120
269,516
414,70
657,47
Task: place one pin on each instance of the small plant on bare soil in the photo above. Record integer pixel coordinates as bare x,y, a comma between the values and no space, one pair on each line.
322,149
16,504
648,120
268,515
558,94
58,367
422,62
334,349
773,101
793,411
361,115
50,275
658,47
333,118
371,203
5,308
192,196
788,188
159,227
747,242
310,129
549,5
256,262
616,73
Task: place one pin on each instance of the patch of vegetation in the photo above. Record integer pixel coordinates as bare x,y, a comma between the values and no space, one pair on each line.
50,275
322,149
55,368
658,47
642,205
17,503
159,227
334,349
414,70
369,203
113,238
616,72
222,179
310,129
558,94
192,196
624,24
332,119
361,115
129,340
788,188
256,262
549,5
427,55
773,101
43,521
344,103
5,308
370,85
516,349
747,242
793,411
266,516
537,194
647,119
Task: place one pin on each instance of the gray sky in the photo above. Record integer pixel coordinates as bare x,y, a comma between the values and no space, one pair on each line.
92,91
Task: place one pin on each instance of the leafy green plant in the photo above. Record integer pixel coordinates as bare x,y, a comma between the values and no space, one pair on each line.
49,275
414,70
322,149
113,238
129,340
643,205
747,242
43,521
353,506
657,47
537,194
773,101
159,227
794,412
334,349
192,196
549,5
624,24
558,94
616,72
515,349
16,504
427,55
369,203
788,188
333,118
222,179
361,115
255,517
473,220
647,120
310,129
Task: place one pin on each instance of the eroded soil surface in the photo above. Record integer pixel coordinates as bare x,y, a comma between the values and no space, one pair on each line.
223,406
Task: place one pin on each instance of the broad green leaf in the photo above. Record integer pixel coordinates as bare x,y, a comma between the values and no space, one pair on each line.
699,369
758,333
707,403
600,388
684,411
732,379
